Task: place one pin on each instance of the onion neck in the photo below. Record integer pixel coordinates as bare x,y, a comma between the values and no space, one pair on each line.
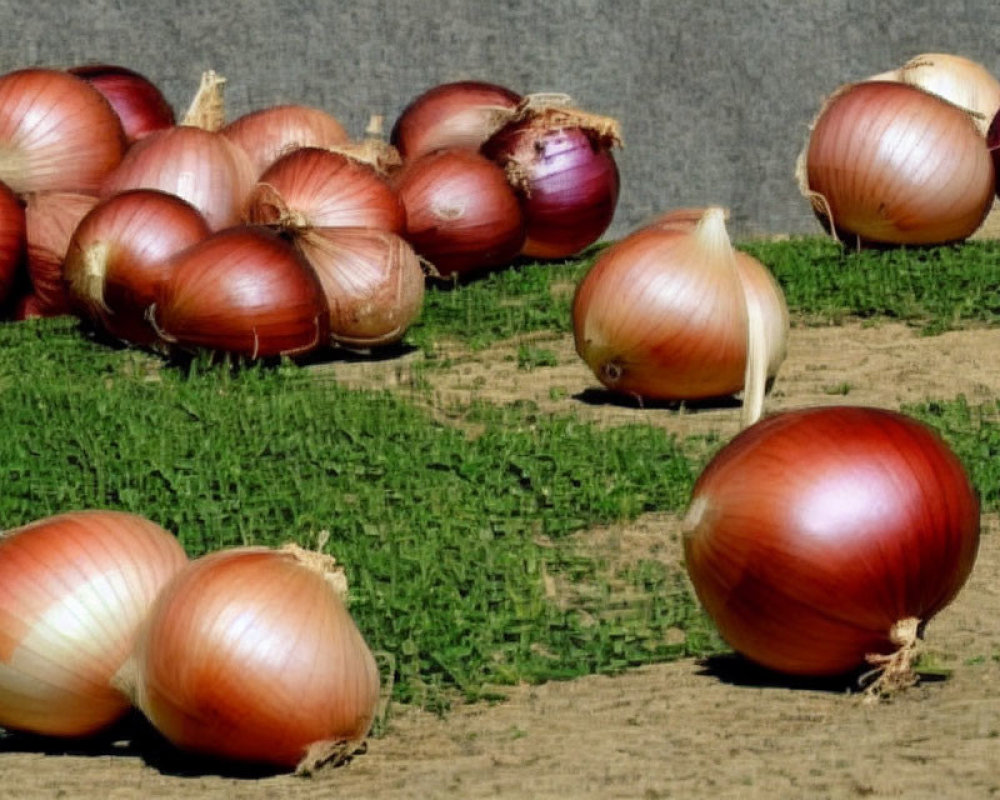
207,109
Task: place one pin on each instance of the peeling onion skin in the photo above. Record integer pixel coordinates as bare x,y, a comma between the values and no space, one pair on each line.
244,291
891,164
74,589
814,531
251,656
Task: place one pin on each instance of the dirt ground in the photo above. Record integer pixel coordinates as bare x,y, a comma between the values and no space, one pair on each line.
716,729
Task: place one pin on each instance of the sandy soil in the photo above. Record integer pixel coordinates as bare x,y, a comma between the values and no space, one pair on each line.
717,729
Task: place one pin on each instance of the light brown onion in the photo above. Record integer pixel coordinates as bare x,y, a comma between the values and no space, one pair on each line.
461,214
269,133
245,291
372,279
461,114
673,312
73,591
119,254
57,133
50,219
12,240
200,166
957,79
889,163
250,654
315,188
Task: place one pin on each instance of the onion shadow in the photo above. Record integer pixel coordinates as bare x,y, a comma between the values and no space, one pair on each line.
599,396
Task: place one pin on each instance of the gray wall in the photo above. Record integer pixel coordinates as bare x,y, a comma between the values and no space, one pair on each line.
714,96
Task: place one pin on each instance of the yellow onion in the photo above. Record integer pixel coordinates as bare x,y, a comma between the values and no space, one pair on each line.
890,163
674,312
957,79
251,654
73,591
372,279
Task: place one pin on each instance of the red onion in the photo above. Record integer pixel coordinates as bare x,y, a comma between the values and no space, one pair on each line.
560,161
823,538
57,133
269,133
889,163
245,291
315,188
138,102
461,214
50,219
118,256
28,307
462,115
12,239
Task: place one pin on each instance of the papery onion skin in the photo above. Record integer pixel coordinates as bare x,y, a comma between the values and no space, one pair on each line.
372,279
138,102
12,240
269,133
311,187
73,590
461,114
252,656
891,164
119,256
57,133
50,219
245,291
568,178
813,532
197,165
461,214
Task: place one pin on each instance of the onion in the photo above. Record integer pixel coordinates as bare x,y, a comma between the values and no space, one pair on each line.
197,165
888,163
138,102
50,219
672,311
957,79
57,133
821,538
372,280
12,240
73,590
117,258
250,654
463,114
311,187
560,160
269,133
461,214
243,290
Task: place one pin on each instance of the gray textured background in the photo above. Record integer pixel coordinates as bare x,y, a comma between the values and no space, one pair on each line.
714,96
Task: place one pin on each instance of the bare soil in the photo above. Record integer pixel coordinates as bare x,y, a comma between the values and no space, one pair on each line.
716,729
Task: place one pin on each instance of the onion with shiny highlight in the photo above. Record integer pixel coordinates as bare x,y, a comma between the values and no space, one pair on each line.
73,590
119,255
824,539
889,163
269,133
315,188
674,312
50,219
138,102
560,161
57,133
461,214
244,291
462,114
250,654
372,279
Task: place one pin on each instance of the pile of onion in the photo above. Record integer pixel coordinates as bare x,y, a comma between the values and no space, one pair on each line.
824,539
890,163
74,589
251,654
673,311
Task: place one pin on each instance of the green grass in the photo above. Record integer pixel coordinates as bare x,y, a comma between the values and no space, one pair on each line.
453,536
